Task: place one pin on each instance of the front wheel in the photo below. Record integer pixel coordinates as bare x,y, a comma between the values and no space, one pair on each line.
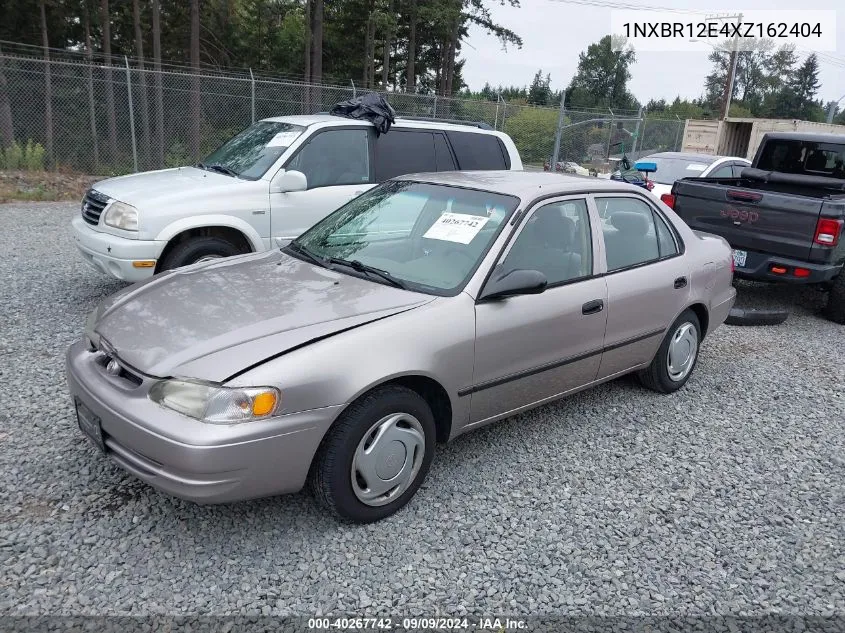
676,358
375,456
198,249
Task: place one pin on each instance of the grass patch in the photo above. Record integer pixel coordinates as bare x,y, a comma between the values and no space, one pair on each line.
43,186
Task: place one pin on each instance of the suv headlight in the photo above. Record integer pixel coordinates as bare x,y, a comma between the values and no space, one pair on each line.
216,405
121,216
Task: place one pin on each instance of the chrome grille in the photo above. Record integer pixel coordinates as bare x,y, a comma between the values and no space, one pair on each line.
92,206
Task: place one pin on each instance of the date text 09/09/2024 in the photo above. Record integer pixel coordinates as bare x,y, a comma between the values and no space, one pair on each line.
417,624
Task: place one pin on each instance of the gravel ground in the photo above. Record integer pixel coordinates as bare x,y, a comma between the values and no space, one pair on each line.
725,498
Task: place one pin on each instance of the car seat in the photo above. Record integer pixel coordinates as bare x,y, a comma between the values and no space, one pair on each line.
627,244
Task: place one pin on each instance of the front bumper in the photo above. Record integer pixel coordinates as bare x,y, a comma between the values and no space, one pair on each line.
183,457
758,266
114,255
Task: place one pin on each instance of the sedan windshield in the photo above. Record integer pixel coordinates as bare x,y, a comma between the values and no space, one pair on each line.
424,237
671,169
252,152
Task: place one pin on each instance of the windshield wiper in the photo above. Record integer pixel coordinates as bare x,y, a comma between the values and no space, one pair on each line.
308,253
368,270
219,168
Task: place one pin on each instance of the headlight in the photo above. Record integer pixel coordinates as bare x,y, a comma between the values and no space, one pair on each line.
121,216
216,405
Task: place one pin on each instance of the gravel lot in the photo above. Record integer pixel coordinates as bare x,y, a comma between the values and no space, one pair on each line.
725,498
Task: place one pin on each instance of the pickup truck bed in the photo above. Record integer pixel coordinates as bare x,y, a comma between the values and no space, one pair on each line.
772,225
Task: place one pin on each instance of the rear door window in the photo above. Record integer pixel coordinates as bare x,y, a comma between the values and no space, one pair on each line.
723,171
401,152
477,151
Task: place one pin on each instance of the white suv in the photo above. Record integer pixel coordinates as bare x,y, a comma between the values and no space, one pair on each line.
264,187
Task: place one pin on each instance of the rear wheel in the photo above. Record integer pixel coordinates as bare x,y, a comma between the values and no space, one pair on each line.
835,309
677,356
375,456
198,249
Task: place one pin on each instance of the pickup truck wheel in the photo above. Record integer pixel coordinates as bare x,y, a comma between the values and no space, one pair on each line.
197,249
835,309
677,356
375,456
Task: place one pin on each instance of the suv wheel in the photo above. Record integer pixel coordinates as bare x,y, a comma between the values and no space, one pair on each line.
376,455
677,356
835,309
198,249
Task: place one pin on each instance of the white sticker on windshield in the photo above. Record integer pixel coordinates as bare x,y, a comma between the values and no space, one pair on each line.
696,167
283,139
456,227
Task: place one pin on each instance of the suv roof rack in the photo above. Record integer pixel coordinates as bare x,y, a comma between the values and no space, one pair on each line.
479,124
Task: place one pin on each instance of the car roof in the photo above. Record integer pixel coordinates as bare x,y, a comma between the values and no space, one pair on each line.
329,120
523,184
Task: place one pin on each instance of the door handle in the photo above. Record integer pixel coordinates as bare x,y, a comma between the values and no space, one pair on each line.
681,282
592,307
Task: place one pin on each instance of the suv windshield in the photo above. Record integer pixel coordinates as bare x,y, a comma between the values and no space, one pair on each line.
251,153
428,237
671,169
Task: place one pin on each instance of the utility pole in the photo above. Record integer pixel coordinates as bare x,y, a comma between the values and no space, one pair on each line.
729,85
831,111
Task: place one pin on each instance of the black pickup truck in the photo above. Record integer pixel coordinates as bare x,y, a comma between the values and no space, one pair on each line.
783,216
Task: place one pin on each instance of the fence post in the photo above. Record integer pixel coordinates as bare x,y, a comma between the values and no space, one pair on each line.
559,133
252,93
637,133
610,132
496,123
131,113
677,147
435,106
353,88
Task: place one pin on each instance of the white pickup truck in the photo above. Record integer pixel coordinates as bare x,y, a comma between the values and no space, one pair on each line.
264,187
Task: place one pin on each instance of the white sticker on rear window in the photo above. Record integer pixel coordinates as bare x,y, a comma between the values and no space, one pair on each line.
283,139
696,167
456,227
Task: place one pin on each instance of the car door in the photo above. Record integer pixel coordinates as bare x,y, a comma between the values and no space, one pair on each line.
647,280
337,162
534,347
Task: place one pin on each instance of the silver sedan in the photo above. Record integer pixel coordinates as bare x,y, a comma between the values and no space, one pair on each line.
427,307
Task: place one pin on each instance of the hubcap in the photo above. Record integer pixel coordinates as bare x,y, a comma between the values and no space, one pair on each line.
682,351
388,459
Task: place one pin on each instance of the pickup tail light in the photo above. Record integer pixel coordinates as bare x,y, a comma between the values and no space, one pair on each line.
828,231
668,199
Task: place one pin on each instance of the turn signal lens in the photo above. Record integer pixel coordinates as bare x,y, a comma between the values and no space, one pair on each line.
144,263
778,270
263,404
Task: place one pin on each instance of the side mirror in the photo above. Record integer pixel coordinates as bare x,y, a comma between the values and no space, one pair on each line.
288,182
646,168
513,283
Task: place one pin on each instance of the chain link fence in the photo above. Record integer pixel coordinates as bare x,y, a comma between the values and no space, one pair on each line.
113,118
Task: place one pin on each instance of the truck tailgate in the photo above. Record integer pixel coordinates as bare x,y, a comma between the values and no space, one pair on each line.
750,219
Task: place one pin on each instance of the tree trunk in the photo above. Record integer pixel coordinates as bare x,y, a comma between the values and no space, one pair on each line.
317,51
369,53
142,84
388,39
92,103
111,117
450,63
307,107
159,93
443,67
48,88
196,104
411,70
7,127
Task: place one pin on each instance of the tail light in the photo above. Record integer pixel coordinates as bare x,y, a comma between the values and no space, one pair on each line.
801,272
668,199
827,232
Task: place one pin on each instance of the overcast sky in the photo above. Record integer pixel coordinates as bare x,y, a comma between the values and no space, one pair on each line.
554,33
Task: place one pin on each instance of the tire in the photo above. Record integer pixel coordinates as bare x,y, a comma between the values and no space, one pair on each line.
740,316
343,449
835,308
658,375
195,248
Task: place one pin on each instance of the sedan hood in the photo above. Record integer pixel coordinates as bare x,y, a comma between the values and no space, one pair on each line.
150,188
211,321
